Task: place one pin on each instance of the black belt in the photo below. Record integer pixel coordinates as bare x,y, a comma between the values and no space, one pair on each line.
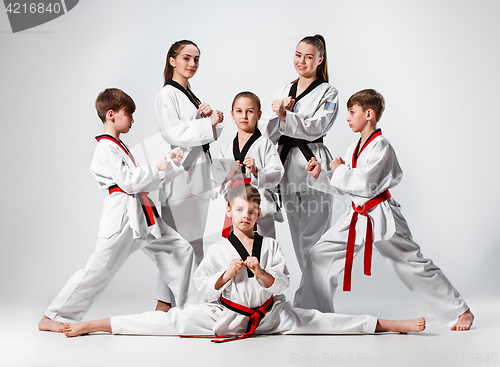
188,162
288,143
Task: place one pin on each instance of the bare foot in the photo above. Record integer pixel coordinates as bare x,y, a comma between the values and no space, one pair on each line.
464,322
76,329
403,327
47,324
163,306
87,327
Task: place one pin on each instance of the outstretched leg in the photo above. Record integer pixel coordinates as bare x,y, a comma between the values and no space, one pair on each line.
300,321
86,285
192,320
403,327
425,280
86,327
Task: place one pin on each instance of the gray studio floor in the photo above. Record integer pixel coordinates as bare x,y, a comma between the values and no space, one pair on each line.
21,344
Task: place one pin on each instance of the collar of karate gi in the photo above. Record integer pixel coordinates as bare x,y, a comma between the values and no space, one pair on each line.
118,142
242,251
187,92
240,156
357,151
309,89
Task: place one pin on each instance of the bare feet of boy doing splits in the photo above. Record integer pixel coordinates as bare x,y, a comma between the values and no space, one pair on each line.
464,322
402,327
47,324
81,328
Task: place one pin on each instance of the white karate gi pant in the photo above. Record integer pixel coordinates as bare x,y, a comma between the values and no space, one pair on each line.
171,253
189,218
309,217
212,319
420,275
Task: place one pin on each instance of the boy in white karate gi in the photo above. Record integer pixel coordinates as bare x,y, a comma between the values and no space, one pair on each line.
255,161
242,277
129,220
369,170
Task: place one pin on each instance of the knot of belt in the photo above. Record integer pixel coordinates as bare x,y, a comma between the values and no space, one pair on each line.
255,316
363,210
148,207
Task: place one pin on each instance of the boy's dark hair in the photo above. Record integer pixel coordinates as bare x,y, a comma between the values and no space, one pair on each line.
245,191
368,99
113,99
247,94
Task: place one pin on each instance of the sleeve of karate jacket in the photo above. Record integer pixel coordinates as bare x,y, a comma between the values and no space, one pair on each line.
368,180
269,176
318,125
269,122
209,271
278,270
178,132
323,183
143,178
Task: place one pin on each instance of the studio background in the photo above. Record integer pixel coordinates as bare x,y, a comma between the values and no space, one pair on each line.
435,62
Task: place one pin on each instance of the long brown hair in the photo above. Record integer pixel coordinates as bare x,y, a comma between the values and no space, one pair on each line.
319,42
174,51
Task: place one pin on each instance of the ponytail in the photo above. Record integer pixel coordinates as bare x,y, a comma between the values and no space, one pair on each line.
174,51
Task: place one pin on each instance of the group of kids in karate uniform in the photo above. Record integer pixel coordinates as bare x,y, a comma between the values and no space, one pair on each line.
233,291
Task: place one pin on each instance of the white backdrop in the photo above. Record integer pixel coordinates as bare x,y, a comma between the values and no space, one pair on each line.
436,63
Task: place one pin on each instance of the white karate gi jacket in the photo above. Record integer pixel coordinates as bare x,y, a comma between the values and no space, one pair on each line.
269,169
249,292
111,165
377,170
312,117
181,125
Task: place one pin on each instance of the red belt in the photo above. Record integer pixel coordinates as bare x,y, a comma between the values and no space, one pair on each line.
368,241
226,230
255,316
148,207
